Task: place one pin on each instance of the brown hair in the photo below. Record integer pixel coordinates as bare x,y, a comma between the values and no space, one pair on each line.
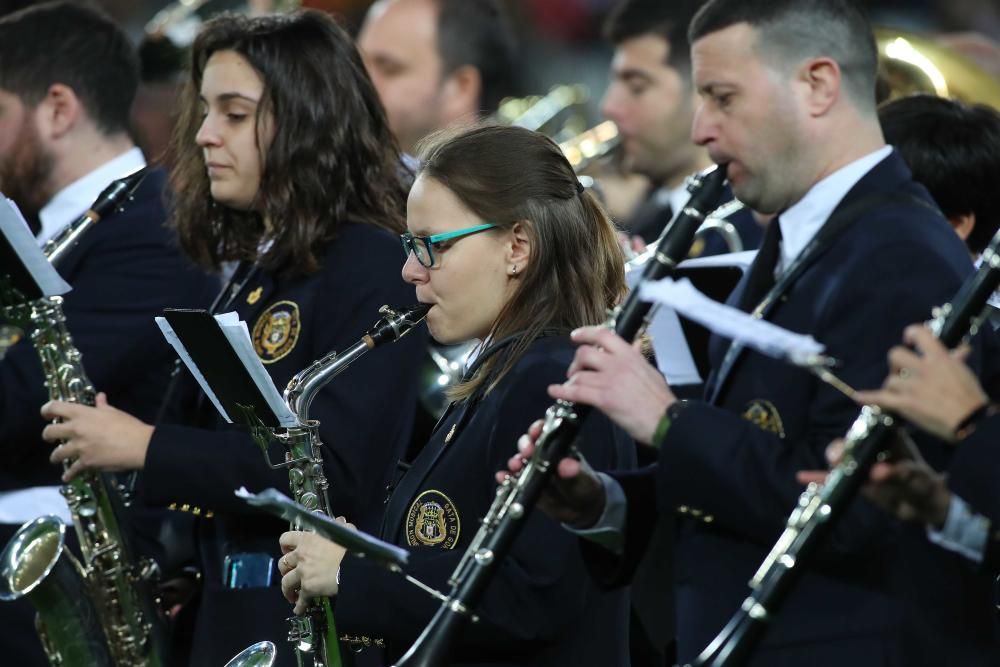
576,270
332,161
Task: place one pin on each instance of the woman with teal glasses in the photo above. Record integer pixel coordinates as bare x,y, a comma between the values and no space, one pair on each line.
508,249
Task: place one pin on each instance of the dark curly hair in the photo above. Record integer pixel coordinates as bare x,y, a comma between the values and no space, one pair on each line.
332,161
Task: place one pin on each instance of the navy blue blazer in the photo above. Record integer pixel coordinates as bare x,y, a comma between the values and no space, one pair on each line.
540,609
880,594
123,271
365,416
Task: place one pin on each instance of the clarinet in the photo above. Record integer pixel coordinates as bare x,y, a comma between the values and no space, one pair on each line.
517,496
821,506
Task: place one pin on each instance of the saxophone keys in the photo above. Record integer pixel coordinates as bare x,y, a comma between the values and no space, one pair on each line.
309,500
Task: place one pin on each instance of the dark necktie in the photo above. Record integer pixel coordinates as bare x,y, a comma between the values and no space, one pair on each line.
762,271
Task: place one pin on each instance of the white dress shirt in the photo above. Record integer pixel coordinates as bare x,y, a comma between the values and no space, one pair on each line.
73,201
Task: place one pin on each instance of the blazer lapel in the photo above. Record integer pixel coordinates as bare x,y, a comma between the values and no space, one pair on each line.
876,188
399,503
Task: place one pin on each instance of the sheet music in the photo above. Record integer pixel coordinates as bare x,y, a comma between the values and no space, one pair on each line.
175,342
15,229
238,335
673,357
761,335
741,260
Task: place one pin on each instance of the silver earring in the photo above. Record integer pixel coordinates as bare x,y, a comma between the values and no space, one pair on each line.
513,269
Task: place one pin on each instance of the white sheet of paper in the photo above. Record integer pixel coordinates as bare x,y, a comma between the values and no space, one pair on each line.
15,229
175,342
741,260
238,335
673,357
761,335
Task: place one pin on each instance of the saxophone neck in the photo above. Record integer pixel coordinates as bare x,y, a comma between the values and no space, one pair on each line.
394,324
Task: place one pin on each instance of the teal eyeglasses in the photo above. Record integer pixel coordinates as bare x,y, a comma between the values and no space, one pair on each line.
421,246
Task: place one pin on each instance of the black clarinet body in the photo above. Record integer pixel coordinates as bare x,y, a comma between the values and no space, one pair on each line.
820,507
518,495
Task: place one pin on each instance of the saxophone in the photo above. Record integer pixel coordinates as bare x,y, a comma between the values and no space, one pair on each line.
313,635
97,611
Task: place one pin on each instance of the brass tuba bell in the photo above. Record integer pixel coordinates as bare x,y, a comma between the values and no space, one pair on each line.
911,63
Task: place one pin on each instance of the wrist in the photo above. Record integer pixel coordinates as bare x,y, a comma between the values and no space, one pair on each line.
670,415
968,425
940,505
593,511
145,436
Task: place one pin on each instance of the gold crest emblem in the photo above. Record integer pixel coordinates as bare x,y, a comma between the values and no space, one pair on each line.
254,296
764,416
276,331
433,521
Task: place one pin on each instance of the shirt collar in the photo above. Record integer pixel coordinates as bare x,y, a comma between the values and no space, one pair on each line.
72,201
800,222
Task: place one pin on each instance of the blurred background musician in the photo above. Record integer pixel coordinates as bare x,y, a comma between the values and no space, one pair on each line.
275,110
652,102
437,62
67,79
953,149
516,285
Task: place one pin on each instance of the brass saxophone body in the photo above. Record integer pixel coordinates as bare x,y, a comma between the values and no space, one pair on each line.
310,633
98,610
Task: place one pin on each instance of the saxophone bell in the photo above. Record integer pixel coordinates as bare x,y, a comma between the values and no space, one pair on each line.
36,565
261,654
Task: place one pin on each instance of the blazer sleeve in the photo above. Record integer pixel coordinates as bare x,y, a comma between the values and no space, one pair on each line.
539,584
975,469
610,570
715,460
365,413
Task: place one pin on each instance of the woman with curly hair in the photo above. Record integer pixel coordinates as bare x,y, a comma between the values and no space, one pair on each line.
284,165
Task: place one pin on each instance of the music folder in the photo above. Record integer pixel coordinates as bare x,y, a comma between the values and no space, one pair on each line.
219,353
356,542
23,265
